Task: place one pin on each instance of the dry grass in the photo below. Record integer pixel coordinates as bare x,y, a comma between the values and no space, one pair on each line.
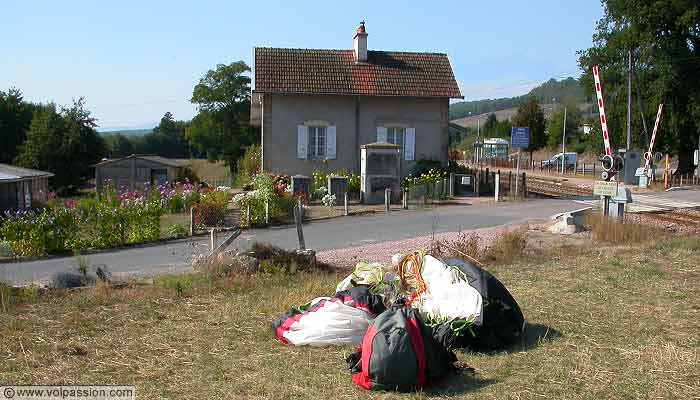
604,322
607,230
509,246
210,172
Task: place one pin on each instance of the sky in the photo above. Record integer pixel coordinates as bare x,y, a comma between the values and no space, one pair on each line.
133,61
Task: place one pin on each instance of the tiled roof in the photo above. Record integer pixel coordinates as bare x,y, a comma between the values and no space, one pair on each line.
10,173
385,73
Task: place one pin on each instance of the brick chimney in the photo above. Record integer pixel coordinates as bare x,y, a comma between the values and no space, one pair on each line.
360,43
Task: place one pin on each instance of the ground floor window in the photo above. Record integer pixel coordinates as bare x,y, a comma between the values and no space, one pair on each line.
396,136
317,141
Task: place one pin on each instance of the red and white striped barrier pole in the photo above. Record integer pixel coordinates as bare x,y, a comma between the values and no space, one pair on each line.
650,153
601,108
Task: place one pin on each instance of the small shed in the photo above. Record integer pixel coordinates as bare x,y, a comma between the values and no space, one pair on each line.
494,148
19,187
135,170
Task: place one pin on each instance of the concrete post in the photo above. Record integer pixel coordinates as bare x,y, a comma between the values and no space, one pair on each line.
496,185
345,203
387,199
212,239
247,213
192,227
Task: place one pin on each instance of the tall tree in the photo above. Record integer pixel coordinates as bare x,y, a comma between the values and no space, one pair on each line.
168,138
15,117
118,145
64,142
490,123
221,128
664,36
530,115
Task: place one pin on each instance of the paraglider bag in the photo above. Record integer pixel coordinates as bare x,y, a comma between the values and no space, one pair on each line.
399,353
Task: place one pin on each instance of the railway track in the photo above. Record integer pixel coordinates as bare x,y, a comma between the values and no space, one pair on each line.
550,188
677,221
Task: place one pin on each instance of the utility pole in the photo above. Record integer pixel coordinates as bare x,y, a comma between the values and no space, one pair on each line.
698,166
479,150
629,100
563,145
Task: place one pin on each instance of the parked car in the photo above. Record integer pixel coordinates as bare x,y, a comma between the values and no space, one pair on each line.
570,160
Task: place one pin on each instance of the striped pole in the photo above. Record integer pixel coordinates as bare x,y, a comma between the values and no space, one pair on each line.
601,108
649,155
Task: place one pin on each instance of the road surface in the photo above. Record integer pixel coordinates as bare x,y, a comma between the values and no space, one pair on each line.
175,256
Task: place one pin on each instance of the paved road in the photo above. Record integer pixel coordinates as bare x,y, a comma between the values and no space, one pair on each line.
174,257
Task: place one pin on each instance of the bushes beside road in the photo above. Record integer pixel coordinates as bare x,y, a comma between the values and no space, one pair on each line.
115,218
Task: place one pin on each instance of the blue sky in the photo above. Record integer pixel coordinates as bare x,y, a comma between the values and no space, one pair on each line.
133,61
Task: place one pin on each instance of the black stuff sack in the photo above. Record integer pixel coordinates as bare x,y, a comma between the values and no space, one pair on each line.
502,321
399,353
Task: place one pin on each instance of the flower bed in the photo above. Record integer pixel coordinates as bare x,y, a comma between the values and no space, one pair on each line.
269,190
113,219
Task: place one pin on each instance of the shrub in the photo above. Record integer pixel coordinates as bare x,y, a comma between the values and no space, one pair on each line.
319,186
422,166
177,230
36,233
328,200
276,260
115,218
248,165
5,249
280,204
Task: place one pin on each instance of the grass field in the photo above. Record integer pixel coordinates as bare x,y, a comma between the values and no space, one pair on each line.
603,322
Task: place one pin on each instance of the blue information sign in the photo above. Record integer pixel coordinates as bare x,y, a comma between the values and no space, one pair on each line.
520,137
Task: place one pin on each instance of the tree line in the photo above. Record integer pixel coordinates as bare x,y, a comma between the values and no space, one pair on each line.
663,40
544,133
567,90
64,139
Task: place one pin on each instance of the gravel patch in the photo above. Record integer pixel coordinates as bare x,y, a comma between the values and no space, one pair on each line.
345,259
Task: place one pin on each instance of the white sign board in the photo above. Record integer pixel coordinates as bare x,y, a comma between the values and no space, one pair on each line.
466,180
604,188
696,157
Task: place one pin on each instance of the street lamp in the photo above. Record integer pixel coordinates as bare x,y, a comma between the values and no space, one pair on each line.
563,140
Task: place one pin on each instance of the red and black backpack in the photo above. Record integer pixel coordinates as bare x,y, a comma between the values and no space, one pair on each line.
399,353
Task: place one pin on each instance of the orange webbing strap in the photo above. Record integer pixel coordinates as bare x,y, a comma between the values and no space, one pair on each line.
411,279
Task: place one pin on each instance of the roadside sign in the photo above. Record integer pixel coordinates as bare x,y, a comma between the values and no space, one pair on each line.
520,138
696,157
605,188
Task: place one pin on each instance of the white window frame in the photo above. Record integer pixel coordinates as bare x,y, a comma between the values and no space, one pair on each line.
396,132
317,151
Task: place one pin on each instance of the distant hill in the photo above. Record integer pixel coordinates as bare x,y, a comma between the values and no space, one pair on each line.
566,90
128,132
587,110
